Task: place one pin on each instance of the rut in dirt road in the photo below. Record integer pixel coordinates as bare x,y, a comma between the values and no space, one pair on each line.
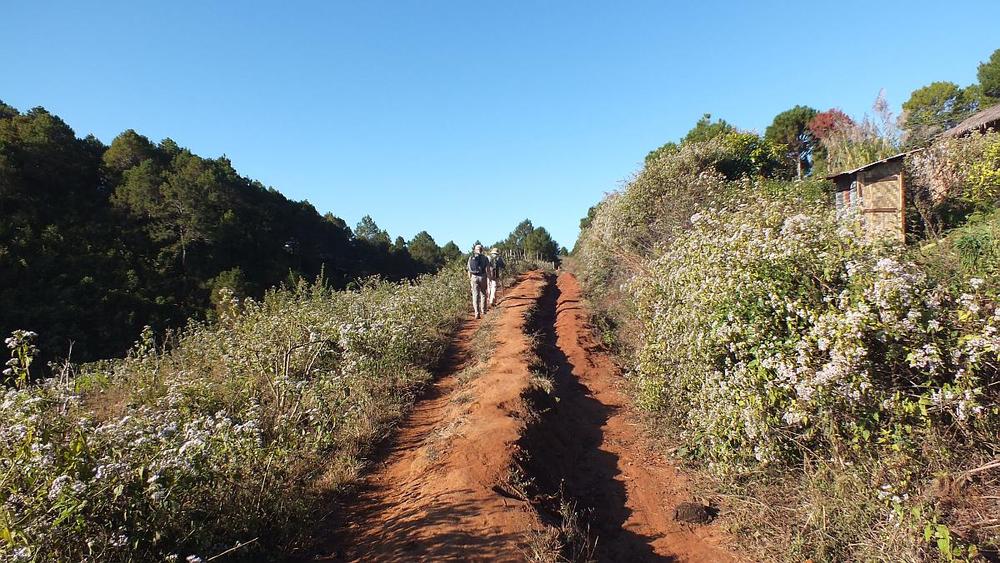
563,450
586,446
443,489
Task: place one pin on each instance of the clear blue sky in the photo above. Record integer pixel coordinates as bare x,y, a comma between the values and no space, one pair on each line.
464,117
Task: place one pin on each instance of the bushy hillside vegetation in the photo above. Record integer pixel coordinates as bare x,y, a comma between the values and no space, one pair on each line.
843,391
140,233
250,397
229,432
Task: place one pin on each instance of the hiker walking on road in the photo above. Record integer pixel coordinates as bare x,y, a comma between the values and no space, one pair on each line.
493,275
478,266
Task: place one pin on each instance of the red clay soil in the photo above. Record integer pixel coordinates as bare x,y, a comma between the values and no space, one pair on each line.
434,499
439,494
597,445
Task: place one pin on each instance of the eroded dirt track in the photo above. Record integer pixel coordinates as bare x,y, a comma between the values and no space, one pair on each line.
433,499
443,491
595,445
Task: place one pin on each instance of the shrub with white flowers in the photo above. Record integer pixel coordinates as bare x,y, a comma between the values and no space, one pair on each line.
231,434
786,352
773,329
22,351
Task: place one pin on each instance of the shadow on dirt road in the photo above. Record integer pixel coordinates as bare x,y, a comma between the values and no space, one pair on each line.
563,447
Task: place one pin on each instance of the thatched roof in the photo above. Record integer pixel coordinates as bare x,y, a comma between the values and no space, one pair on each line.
869,165
986,119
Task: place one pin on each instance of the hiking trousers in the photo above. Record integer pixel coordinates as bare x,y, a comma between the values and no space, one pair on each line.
478,284
492,284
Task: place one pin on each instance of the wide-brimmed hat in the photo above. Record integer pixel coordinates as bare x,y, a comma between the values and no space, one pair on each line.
494,251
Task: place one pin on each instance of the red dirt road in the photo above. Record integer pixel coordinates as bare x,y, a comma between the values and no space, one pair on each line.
630,488
442,491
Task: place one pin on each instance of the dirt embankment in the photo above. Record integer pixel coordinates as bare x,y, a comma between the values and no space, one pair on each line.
476,471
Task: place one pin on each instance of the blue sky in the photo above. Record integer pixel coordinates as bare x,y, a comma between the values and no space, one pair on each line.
464,117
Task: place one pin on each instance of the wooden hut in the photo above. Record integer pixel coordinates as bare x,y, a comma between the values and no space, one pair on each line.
877,191
981,122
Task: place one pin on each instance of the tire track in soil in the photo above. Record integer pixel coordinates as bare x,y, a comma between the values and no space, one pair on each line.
590,441
437,494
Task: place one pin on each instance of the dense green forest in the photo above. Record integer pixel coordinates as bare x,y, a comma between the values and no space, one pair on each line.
98,241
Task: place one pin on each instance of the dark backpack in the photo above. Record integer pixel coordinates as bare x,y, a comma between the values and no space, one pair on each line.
476,265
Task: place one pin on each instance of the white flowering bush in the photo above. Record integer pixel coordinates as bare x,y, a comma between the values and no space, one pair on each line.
781,349
232,434
22,352
630,224
774,330
654,205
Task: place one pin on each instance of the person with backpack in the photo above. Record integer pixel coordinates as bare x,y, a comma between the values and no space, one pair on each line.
494,275
478,266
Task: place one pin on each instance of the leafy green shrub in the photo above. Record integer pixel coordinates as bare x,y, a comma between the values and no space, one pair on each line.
984,173
979,249
232,434
970,250
773,333
749,154
778,330
954,178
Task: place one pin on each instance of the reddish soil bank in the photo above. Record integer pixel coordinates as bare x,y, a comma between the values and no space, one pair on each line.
443,489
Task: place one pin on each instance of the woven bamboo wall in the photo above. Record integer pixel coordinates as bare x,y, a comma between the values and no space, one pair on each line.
883,198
